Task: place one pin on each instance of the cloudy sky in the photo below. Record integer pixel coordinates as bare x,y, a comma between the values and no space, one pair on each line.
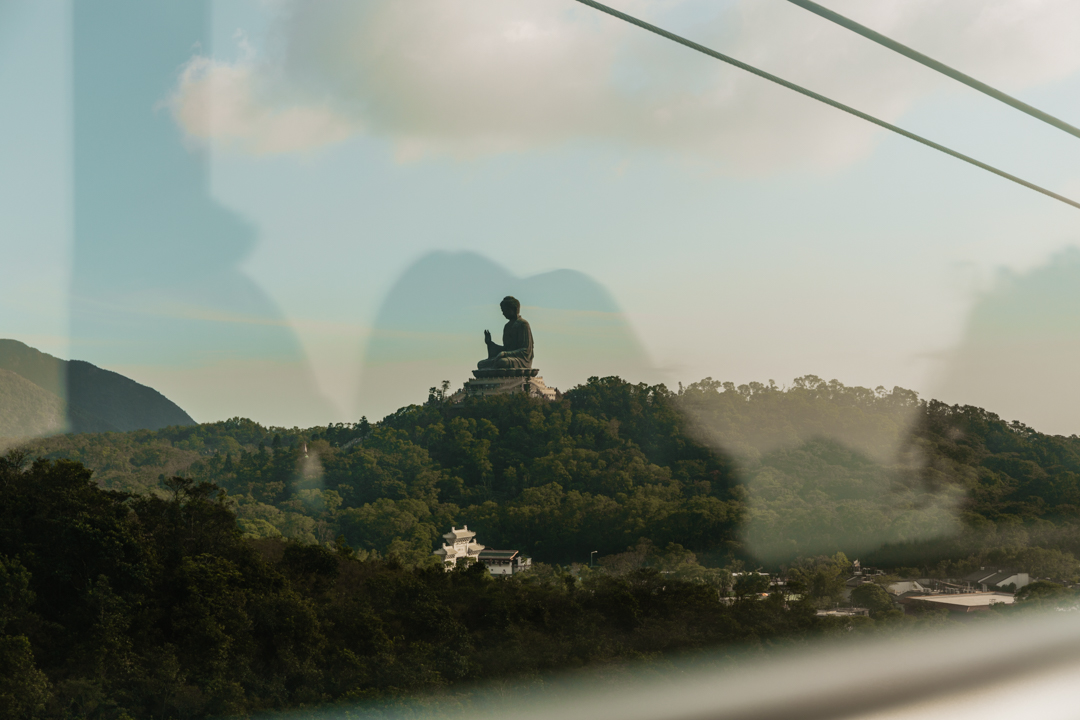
220,204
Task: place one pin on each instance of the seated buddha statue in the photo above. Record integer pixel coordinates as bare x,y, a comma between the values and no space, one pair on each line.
516,350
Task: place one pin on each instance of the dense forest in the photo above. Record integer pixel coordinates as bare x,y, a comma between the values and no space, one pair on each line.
755,473
120,606
228,568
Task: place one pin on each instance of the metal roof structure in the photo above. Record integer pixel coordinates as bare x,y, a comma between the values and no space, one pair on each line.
963,602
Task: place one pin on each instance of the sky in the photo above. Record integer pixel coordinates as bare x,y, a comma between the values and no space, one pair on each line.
285,210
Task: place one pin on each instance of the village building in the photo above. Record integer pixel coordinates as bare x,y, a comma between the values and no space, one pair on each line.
461,546
504,562
844,612
906,587
860,575
962,603
989,579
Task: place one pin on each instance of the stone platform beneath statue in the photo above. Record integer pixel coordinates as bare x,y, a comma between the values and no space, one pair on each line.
506,381
505,372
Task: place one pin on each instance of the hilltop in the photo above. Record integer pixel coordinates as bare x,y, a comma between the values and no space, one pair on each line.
45,395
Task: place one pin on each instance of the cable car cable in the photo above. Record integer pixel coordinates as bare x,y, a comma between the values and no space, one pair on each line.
934,64
821,98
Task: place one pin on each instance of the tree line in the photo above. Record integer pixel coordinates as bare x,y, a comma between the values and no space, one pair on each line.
115,605
755,473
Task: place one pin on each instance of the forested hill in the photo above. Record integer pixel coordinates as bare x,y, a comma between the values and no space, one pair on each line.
754,472
155,604
46,394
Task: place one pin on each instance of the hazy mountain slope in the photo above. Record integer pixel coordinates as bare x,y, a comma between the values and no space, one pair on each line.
119,400
97,400
42,369
27,410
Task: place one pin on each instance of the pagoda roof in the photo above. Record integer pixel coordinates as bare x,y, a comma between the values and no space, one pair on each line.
452,551
455,534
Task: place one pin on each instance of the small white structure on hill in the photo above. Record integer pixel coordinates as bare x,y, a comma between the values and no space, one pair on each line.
461,545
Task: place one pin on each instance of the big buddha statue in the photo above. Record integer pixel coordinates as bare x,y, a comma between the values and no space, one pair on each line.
516,350
508,367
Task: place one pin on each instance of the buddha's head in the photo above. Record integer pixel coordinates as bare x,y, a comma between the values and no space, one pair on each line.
510,307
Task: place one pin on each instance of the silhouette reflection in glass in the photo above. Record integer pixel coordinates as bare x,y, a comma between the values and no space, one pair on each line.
427,329
157,291
1020,350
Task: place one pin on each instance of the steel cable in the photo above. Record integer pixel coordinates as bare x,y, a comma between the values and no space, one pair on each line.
933,64
821,98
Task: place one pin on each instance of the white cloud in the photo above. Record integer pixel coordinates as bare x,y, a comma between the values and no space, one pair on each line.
467,77
221,101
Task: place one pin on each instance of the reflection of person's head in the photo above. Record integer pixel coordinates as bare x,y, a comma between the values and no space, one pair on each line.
510,307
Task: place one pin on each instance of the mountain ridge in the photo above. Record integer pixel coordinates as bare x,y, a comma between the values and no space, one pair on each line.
88,398
28,410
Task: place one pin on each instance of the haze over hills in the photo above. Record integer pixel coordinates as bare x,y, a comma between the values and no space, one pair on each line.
26,410
41,394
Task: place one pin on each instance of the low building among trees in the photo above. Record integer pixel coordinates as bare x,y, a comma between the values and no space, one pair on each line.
963,603
504,562
461,546
990,579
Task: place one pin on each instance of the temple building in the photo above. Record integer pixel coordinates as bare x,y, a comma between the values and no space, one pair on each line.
461,546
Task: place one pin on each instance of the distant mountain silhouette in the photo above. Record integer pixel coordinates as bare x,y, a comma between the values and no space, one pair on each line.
74,395
431,328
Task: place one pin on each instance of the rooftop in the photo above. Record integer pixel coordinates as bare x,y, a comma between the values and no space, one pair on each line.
990,575
844,612
456,534
966,599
